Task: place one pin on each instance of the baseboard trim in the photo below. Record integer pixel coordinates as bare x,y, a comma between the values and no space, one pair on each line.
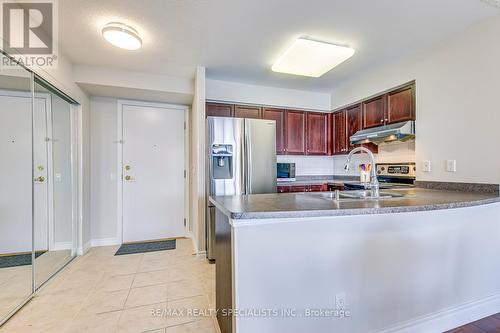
59,246
449,318
83,249
104,242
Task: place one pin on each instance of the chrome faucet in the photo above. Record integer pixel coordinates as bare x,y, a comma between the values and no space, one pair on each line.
374,185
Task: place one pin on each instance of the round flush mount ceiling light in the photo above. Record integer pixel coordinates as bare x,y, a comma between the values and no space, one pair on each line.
122,36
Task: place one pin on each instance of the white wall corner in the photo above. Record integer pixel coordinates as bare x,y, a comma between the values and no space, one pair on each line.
197,161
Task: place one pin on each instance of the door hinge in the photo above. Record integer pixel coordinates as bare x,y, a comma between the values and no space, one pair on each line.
185,174
185,222
185,126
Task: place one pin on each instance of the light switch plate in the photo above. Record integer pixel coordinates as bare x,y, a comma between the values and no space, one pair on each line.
451,165
426,166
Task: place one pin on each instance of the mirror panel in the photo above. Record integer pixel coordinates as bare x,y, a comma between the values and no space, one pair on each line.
54,236
16,282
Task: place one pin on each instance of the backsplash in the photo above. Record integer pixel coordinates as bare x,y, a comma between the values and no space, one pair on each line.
394,152
309,165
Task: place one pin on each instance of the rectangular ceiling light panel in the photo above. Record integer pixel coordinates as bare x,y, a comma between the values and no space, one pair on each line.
311,58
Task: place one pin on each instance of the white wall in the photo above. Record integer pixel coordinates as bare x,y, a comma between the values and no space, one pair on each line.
253,94
457,102
103,145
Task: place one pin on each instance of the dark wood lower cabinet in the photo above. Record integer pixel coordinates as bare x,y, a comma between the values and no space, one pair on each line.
302,188
223,272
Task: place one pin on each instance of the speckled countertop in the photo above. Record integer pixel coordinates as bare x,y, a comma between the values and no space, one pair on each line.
290,205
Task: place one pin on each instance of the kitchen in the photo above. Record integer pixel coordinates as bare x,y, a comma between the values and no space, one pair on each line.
334,216
250,166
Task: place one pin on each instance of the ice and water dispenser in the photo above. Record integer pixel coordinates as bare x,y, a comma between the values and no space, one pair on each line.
222,161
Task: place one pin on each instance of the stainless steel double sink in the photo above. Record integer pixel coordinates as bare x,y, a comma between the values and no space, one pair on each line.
358,195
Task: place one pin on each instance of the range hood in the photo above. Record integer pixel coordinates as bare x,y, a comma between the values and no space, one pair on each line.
403,131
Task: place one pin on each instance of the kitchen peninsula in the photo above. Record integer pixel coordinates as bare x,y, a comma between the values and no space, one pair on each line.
389,264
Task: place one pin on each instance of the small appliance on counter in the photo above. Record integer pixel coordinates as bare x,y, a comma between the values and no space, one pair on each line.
285,172
390,176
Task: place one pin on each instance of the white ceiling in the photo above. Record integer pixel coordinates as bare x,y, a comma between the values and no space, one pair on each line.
238,40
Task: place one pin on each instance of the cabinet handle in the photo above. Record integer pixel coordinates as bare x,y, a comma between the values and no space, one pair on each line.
387,120
381,120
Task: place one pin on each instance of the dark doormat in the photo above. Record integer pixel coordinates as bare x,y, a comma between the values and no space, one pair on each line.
18,259
146,247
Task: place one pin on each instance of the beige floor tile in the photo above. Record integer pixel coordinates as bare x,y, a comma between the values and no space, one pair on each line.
105,301
187,310
99,291
200,326
185,288
150,278
97,323
117,282
154,265
147,295
142,319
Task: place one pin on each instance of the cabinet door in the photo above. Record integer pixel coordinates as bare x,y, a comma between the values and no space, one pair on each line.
283,189
401,105
247,111
297,188
339,133
295,125
317,130
315,188
279,116
374,112
354,122
219,110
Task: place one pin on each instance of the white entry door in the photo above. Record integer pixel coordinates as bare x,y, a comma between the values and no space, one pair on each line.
153,173
16,173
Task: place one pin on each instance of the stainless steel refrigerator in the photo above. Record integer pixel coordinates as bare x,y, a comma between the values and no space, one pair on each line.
241,156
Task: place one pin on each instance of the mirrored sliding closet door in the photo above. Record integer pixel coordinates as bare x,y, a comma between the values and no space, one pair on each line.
38,205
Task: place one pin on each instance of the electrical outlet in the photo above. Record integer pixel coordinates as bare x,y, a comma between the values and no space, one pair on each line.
340,301
426,166
451,165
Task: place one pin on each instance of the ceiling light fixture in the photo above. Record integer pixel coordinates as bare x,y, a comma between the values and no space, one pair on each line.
122,36
311,58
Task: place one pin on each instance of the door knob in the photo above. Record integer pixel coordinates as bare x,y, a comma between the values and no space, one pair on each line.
40,179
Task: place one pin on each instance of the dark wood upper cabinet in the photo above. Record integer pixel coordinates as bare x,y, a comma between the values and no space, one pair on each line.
374,111
354,119
318,133
295,126
279,116
247,111
219,110
401,105
339,133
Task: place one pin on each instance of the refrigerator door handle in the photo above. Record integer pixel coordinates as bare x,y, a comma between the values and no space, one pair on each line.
246,162
248,154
